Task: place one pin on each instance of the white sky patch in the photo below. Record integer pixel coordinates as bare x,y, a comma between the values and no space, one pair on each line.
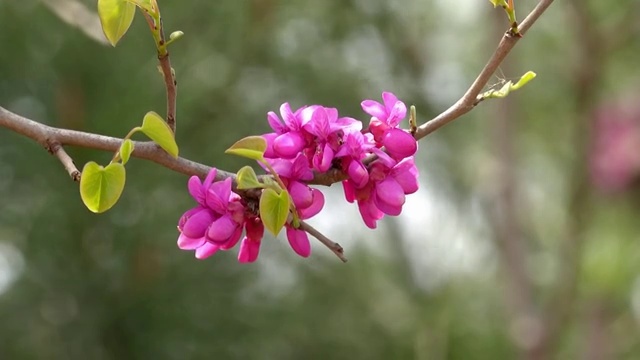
11,265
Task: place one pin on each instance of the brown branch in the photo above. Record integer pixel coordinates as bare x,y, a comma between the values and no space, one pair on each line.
44,134
333,246
169,76
55,148
468,101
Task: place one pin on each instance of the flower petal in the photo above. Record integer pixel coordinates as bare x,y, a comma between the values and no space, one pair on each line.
290,119
197,224
349,191
399,143
374,109
233,239
300,194
275,123
370,213
218,196
389,196
406,174
315,207
323,158
206,250
358,173
211,176
269,138
221,229
249,250
299,241
187,243
195,189
254,228
189,213
288,145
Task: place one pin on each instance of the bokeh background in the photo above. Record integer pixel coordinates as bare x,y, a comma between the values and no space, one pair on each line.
524,241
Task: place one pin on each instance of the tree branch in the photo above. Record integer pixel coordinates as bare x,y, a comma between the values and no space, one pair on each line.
469,100
169,76
56,149
333,246
53,139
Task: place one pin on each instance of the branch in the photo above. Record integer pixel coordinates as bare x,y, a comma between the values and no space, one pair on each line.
53,139
168,74
469,100
333,246
45,135
56,149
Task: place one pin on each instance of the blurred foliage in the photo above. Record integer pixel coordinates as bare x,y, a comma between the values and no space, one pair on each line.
431,284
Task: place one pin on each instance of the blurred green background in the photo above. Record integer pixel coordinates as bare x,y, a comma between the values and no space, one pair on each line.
522,243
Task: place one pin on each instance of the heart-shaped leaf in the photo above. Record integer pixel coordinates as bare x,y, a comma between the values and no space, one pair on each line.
247,179
157,130
274,209
146,5
115,16
101,187
125,150
252,147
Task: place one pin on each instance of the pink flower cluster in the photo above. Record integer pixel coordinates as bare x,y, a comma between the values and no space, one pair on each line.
312,138
317,136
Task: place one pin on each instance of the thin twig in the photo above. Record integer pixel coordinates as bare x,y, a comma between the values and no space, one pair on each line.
333,246
468,101
170,83
55,148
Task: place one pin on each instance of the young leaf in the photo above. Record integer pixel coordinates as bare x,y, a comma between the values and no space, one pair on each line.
145,5
125,150
101,187
252,147
157,130
524,79
274,209
247,179
115,16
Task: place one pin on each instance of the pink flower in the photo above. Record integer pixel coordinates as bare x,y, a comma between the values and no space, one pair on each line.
385,191
299,241
218,220
390,113
288,138
384,126
250,246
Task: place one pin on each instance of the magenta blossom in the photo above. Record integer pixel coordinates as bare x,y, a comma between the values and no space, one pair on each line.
385,192
288,138
218,220
384,126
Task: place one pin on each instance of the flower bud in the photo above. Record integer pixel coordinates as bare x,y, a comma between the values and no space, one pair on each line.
389,197
288,145
399,143
221,230
299,241
249,250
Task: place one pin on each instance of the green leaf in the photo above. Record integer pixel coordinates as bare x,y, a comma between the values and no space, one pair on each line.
524,79
252,147
101,187
115,16
502,3
247,179
146,5
125,150
157,130
508,87
274,209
